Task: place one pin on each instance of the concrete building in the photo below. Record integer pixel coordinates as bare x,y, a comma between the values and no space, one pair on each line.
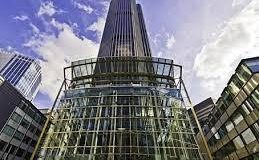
20,123
234,122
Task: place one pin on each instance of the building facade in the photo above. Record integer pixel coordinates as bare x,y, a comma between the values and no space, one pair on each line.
124,104
125,32
234,122
22,72
202,111
20,124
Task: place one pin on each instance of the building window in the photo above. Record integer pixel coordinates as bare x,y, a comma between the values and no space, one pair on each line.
244,110
235,85
2,145
28,155
1,80
16,117
238,142
255,128
243,73
247,107
32,128
20,152
248,136
255,97
25,123
237,118
229,126
8,130
26,140
227,98
33,143
253,65
13,149
229,148
217,136
18,135
222,131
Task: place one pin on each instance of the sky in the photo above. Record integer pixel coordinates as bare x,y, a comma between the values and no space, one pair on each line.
207,37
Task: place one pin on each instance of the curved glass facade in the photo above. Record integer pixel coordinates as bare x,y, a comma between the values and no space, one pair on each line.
121,108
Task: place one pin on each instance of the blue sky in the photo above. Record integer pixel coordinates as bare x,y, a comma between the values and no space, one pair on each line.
207,37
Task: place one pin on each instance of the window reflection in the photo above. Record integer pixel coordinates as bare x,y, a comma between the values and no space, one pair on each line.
229,126
160,69
166,70
253,65
235,85
237,118
238,142
248,136
255,128
255,97
227,98
243,73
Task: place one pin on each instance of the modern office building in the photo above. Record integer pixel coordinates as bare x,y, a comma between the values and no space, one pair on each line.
202,111
125,32
22,72
20,124
124,104
234,122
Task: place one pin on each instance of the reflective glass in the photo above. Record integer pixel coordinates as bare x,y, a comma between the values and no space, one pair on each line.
255,97
16,117
255,128
238,142
8,130
253,64
229,126
237,118
243,73
248,136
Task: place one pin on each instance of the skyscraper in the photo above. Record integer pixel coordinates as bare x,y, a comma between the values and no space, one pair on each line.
125,32
22,72
123,105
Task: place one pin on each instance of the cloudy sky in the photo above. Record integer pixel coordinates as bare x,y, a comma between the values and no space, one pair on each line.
207,37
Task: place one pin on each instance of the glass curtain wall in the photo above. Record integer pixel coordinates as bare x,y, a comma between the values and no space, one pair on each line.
130,111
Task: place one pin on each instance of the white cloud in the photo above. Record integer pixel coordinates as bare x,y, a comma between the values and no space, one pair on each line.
106,5
21,18
58,52
170,41
239,39
47,8
35,29
97,26
239,2
87,9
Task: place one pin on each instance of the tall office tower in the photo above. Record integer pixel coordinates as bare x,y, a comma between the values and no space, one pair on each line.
125,32
124,104
234,121
22,72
